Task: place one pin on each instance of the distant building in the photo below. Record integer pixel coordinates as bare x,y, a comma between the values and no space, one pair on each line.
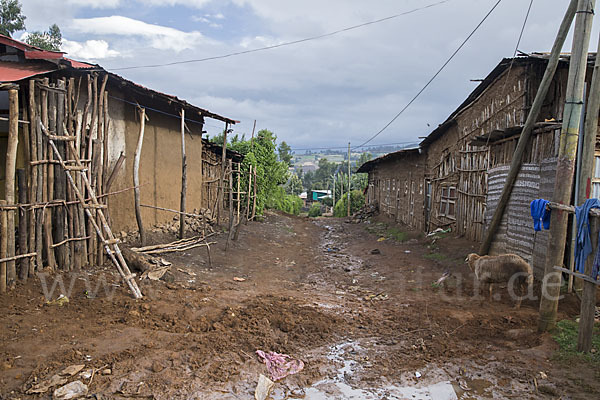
308,167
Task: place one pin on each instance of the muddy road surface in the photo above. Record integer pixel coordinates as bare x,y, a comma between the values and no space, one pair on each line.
358,304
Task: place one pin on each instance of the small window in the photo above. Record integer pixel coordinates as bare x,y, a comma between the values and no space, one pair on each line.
448,202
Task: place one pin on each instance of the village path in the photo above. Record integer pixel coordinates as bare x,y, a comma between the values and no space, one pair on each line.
356,302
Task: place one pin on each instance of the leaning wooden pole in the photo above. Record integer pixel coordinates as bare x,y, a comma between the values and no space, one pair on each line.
221,188
10,171
588,298
136,176
23,224
565,168
183,177
515,165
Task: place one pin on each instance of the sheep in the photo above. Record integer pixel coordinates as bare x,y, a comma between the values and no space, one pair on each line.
501,269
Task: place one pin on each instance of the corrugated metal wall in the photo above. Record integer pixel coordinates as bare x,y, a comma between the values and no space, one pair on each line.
516,234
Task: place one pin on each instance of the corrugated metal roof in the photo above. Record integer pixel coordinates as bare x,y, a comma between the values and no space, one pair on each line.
12,72
31,52
369,165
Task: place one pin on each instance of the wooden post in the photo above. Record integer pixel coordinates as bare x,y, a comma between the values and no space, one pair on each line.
563,183
183,177
588,299
349,184
23,225
221,188
231,215
238,198
248,195
60,180
201,194
33,178
3,245
254,200
136,176
587,162
515,164
11,165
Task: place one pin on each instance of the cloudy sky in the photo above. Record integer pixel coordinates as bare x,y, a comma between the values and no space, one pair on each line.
327,92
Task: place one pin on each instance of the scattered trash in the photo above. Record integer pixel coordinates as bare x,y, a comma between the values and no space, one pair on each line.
72,370
375,251
60,301
379,296
417,374
365,213
381,239
190,273
238,279
543,375
280,365
73,390
463,384
263,388
156,273
106,371
332,249
444,276
407,251
45,385
160,261
439,230
87,374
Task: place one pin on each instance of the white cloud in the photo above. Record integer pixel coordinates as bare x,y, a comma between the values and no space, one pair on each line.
161,37
206,19
187,3
88,50
94,3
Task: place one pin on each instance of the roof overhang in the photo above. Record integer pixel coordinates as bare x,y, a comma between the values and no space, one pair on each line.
13,72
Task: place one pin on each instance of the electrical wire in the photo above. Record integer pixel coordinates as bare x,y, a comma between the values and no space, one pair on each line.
238,53
433,77
345,147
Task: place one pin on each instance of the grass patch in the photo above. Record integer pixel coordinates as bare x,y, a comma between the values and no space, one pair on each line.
435,256
566,338
396,234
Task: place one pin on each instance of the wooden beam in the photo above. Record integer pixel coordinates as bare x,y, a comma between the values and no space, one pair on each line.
136,176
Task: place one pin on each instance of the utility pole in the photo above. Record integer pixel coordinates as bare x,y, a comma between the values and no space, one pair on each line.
349,186
515,164
563,184
333,193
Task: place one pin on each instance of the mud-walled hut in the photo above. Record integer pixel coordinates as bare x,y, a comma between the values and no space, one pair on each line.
463,163
58,114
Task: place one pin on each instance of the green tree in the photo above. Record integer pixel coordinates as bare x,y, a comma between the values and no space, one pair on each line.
11,19
49,40
285,153
364,157
294,185
357,200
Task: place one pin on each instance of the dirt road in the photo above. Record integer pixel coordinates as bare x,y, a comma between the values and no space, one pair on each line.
362,313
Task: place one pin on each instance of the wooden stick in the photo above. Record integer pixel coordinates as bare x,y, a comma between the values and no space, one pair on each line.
15,258
183,178
10,170
70,240
162,251
114,172
136,176
33,172
172,244
172,211
60,185
221,189
248,195
254,200
588,298
239,178
231,223
49,182
23,226
3,246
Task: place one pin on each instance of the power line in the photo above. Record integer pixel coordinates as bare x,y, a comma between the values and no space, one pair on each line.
433,77
285,43
345,147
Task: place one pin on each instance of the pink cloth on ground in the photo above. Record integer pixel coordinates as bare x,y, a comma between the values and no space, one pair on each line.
280,365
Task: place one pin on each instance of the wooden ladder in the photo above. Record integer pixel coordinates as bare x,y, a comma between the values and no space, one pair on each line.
93,208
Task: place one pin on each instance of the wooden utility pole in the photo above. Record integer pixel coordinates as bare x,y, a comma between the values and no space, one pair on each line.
563,183
588,298
349,186
333,193
515,164
183,177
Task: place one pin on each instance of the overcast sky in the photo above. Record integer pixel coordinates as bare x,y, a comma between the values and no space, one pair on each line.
325,92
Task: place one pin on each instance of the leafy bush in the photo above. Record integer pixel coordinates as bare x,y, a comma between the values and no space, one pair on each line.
357,200
315,210
287,203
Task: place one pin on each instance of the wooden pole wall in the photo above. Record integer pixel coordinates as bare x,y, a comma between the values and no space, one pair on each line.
183,177
10,171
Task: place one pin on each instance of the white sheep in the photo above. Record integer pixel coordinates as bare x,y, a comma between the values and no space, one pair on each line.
503,268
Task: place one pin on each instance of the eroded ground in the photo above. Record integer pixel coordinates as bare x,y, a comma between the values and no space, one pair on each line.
366,323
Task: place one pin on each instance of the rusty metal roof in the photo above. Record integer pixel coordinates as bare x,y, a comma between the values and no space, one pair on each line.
12,71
